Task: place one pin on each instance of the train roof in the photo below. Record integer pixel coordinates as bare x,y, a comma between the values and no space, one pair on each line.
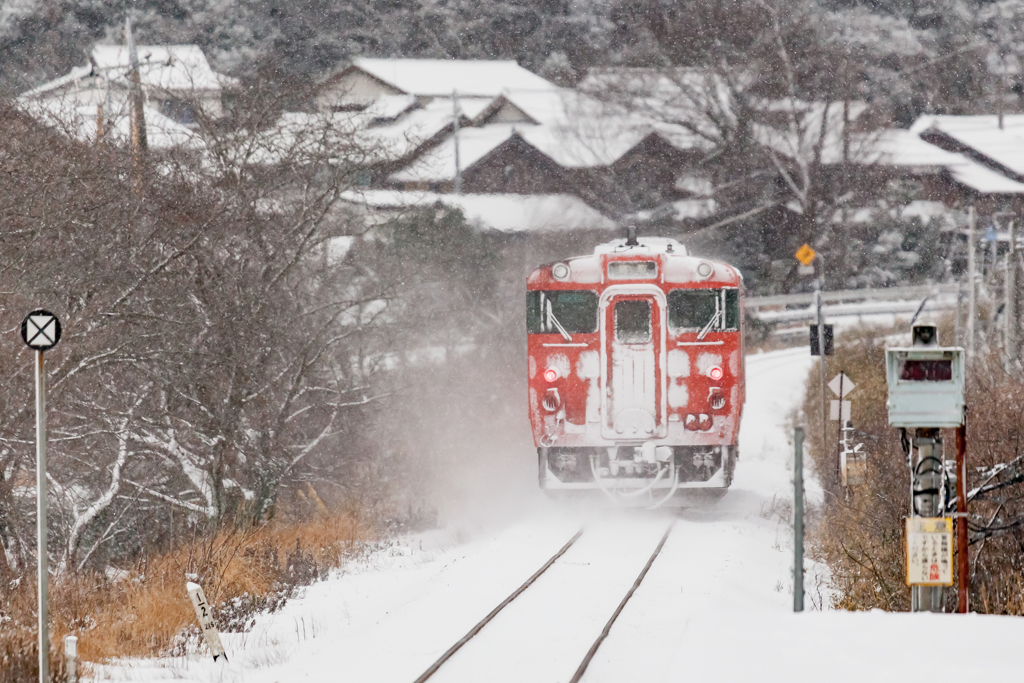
678,265
645,245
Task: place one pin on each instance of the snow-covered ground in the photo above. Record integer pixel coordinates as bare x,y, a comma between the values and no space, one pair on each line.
715,606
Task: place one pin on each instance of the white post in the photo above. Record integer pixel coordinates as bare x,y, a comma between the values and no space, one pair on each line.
71,657
204,613
972,297
41,562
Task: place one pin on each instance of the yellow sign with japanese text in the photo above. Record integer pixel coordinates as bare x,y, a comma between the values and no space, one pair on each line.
929,551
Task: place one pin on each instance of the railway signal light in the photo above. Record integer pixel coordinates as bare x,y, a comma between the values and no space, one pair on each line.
926,394
815,347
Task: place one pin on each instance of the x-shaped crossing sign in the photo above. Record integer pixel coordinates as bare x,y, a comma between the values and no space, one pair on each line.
41,330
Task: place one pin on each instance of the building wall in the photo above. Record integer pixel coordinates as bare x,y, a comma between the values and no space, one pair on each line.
353,87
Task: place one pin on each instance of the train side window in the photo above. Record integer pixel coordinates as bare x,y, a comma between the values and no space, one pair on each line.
574,309
633,321
692,308
732,309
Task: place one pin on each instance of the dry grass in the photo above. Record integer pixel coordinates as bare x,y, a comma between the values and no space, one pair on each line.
145,611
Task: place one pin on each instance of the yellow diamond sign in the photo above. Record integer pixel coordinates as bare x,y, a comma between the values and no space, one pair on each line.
805,254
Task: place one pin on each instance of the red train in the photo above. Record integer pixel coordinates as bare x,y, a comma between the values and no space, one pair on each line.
636,370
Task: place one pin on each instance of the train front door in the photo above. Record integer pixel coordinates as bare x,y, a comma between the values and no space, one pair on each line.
634,339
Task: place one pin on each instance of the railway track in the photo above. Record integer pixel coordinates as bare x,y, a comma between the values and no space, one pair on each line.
552,561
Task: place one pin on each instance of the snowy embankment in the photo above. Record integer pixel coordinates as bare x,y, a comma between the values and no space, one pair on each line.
716,604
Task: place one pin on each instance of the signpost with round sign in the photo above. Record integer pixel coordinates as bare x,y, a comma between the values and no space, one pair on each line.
41,330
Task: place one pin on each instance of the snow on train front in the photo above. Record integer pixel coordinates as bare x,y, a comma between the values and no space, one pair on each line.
636,371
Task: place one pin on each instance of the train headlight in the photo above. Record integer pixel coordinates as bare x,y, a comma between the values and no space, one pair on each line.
705,270
551,374
716,373
560,271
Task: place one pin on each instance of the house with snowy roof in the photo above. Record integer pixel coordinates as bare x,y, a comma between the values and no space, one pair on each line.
367,80
556,140
177,82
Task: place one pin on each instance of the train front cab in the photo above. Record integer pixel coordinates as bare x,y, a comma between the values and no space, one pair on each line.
636,378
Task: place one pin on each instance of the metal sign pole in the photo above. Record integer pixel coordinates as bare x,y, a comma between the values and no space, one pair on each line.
41,562
972,292
821,358
798,519
41,331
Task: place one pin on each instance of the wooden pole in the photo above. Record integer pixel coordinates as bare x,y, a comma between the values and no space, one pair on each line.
963,564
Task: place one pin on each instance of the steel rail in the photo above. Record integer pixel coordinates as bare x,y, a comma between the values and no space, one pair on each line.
618,610
494,612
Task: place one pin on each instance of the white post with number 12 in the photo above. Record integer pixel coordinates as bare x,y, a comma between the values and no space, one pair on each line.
40,330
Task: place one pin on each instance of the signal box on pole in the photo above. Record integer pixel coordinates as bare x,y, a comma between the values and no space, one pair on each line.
926,383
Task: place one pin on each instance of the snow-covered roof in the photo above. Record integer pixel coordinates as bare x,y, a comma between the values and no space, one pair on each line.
438,164
80,122
984,180
672,95
1004,146
167,67
898,147
301,136
171,68
497,212
570,128
76,74
440,77
415,125
905,148
803,143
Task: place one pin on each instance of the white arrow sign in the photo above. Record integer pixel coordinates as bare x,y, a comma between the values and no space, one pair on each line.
847,385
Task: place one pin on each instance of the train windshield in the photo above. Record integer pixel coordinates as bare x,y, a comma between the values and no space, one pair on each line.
704,309
572,311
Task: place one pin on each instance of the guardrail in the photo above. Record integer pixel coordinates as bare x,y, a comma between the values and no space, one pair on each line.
878,294
842,310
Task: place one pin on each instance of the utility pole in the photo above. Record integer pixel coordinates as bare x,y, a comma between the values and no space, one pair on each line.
972,296
1010,310
455,138
798,519
137,115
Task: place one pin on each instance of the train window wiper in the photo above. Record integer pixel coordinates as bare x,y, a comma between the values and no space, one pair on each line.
552,320
711,323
